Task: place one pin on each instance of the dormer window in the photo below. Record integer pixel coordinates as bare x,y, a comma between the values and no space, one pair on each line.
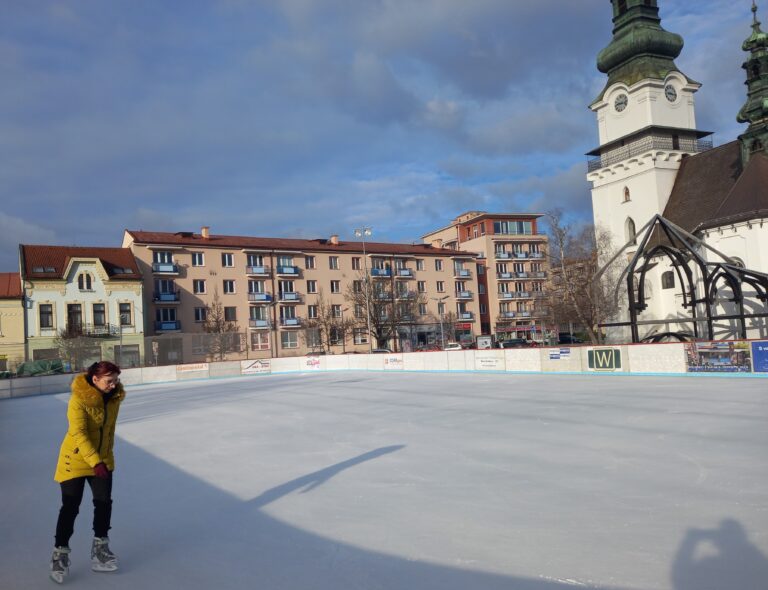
84,282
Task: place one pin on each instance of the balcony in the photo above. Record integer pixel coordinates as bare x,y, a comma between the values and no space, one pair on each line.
505,276
524,314
535,254
259,324
538,294
648,144
381,296
539,274
463,294
166,297
506,315
521,254
258,270
165,268
406,295
521,275
381,272
290,322
168,326
515,295
95,330
404,273
462,273
259,297
289,297
465,316
502,255
288,270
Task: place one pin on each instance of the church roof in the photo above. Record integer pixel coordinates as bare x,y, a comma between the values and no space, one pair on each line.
711,189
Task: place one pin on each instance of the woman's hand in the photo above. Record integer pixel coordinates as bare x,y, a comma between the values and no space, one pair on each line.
101,471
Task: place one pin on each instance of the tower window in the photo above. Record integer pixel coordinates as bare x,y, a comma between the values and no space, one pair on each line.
626,194
757,145
622,6
629,231
668,280
755,70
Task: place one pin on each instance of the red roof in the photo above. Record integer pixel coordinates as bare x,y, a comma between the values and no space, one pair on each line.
10,285
286,244
50,262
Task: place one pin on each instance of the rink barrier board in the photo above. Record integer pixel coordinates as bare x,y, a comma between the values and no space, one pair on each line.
666,360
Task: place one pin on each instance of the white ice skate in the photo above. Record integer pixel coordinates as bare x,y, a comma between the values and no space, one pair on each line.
102,559
60,564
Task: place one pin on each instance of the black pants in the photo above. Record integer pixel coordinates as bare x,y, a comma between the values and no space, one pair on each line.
72,495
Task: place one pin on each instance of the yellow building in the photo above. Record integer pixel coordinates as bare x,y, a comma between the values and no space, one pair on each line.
11,321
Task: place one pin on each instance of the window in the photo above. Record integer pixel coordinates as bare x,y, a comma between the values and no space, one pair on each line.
480,269
438,264
99,314
519,267
201,313
440,287
335,286
229,286
357,286
165,314
483,309
260,340
258,312
230,314
421,286
475,231
355,263
309,262
126,314
84,282
312,312
198,259
198,286
626,194
46,315
74,316
422,309
629,231
311,286
286,260
287,312
360,336
289,339
335,337
162,257
668,280
227,260
333,262
513,227
256,286
336,310
481,289
285,287
359,310
441,308
419,264
165,286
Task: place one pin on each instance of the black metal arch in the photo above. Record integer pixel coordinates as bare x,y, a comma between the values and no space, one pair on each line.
663,239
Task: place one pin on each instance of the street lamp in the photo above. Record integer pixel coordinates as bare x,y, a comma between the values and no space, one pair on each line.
362,233
440,311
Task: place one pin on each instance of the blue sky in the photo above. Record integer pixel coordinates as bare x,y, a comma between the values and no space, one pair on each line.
305,118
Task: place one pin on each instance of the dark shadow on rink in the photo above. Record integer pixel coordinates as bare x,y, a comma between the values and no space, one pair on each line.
719,559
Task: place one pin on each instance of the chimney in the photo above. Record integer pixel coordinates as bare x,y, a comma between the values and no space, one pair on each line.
334,240
204,232
437,243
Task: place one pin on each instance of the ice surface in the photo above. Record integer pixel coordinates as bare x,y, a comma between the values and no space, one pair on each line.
409,481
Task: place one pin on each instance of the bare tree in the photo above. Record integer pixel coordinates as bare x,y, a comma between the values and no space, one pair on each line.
73,347
328,328
385,304
223,334
577,294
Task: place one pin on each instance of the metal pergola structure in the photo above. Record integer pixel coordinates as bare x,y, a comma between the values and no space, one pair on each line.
699,279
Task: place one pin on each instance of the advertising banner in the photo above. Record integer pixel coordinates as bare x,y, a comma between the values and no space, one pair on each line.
393,362
718,357
604,359
760,356
255,367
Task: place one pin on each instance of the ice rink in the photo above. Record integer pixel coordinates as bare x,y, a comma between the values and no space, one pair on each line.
342,481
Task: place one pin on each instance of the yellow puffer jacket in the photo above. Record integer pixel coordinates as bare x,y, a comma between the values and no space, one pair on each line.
91,434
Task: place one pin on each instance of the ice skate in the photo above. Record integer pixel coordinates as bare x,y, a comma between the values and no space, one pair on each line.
102,559
60,564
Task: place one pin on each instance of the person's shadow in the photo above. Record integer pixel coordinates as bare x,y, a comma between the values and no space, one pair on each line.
719,559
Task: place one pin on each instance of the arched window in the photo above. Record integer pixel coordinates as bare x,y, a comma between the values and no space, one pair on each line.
757,145
668,280
626,194
629,231
84,281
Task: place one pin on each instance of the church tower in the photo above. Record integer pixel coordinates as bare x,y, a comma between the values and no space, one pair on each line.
755,111
646,121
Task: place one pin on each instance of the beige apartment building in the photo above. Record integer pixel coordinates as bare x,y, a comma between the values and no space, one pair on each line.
11,321
512,267
275,289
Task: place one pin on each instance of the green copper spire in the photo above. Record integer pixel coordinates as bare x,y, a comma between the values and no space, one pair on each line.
640,48
755,110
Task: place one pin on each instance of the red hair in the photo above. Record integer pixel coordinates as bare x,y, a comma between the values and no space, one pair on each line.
101,369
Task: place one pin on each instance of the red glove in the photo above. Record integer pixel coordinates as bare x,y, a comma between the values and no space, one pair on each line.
101,471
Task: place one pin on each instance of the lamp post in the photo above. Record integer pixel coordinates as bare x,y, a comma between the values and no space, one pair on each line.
362,233
440,311
343,332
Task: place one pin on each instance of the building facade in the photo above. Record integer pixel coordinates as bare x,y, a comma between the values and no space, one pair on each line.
652,160
512,268
82,304
275,291
11,321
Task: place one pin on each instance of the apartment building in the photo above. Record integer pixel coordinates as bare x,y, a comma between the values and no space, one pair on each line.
11,321
273,289
82,302
512,269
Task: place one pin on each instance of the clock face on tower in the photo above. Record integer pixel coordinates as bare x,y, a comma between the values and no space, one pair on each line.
670,93
621,102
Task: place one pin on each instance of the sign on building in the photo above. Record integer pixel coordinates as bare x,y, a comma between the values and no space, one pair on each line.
604,359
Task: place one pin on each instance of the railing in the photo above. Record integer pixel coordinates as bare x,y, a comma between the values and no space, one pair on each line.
405,295
165,267
290,322
505,315
381,272
288,270
505,275
260,297
257,270
463,294
466,316
462,273
645,144
514,295
521,254
167,326
539,274
290,296
405,273
521,275
92,330
166,297
535,254
255,323
382,296
502,255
